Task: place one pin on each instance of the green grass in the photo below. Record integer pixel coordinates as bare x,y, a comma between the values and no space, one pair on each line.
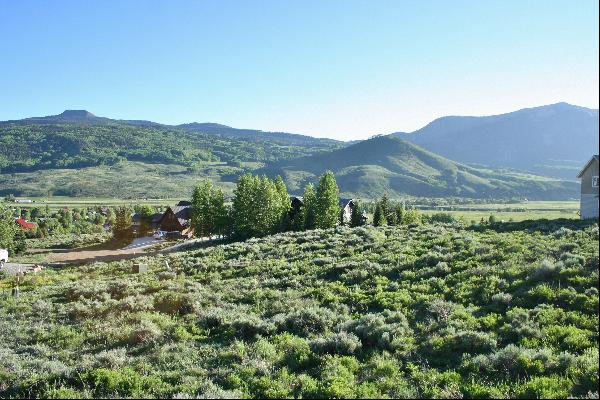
531,210
125,180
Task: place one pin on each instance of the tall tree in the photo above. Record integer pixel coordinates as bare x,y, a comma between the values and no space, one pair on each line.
122,226
379,216
400,214
309,207
219,212
202,219
259,206
328,202
284,205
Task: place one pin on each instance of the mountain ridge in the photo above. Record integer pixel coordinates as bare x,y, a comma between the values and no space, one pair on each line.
551,140
385,164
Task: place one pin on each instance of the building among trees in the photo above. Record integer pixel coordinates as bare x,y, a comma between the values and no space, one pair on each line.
177,218
24,224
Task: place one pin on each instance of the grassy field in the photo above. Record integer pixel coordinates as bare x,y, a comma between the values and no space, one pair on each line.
516,212
131,180
73,202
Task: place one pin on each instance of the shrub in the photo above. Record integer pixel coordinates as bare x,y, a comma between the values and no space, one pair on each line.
308,321
338,343
173,303
388,330
546,387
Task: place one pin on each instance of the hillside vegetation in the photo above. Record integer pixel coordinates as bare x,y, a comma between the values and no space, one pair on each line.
29,147
435,311
391,165
552,140
76,153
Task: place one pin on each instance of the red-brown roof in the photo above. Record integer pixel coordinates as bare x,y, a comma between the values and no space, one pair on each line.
24,223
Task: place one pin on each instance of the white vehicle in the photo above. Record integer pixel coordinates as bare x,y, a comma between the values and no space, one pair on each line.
159,235
3,257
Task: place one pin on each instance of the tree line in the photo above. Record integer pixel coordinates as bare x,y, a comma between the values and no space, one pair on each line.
388,213
262,206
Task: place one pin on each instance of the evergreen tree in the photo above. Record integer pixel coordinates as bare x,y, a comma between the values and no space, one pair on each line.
385,206
110,216
379,216
400,214
122,226
327,208
356,218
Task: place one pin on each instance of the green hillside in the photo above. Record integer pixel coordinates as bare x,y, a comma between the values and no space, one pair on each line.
27,146
77,153
387,164
432,311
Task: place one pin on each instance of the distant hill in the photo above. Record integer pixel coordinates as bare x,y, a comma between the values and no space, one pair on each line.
385,164
553,140
84,117
253,134
78,138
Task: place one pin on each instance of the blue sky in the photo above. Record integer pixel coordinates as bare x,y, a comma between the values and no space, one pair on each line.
341,69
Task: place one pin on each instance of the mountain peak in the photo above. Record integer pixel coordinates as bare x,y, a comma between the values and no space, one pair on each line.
76,114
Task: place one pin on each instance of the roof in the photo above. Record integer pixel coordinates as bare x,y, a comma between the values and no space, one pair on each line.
183,213
24,223
587,165
296,202
156,217
345,202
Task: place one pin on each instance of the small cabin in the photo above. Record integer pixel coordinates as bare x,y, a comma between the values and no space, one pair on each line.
588,206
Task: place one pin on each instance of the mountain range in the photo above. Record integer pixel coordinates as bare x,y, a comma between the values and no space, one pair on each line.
552,140
533,153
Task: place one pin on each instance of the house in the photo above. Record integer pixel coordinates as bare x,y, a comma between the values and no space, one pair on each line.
588,206
346,206
24,224
178,219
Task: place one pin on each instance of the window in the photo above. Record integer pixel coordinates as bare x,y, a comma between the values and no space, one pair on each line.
594,181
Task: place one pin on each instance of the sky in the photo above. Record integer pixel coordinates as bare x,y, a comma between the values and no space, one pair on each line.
343,69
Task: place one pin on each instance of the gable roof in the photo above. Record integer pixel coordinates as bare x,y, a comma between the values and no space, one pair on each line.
182,213
594,157
24,223
346,202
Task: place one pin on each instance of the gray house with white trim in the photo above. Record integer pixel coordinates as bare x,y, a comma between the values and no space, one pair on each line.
588,207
